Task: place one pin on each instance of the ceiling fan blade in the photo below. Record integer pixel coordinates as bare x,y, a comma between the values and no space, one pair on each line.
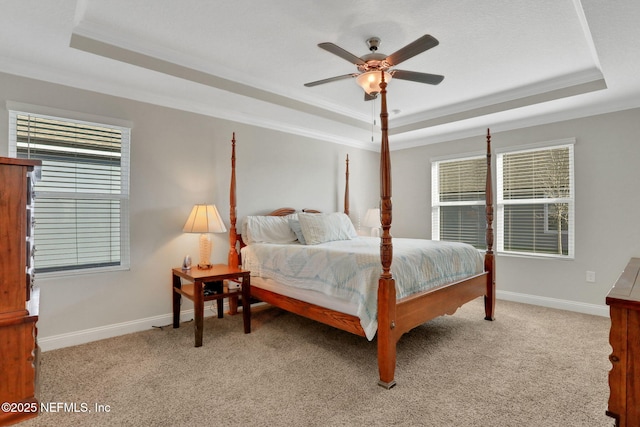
331,79
412,49
432,79
337,50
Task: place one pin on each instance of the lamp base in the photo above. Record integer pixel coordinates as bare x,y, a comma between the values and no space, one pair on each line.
205,252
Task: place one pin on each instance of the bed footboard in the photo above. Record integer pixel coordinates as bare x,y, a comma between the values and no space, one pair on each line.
394,317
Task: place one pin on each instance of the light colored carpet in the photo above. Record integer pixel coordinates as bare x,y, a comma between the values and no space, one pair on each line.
533,366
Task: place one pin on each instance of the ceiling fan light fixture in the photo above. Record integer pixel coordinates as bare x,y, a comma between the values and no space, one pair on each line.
370,81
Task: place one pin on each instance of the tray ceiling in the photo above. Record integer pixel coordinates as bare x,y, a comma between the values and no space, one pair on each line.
507,64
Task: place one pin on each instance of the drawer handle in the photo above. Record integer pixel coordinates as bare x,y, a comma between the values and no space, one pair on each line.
614,359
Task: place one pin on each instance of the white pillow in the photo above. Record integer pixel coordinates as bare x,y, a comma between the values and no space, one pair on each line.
320,228
294,223
269,229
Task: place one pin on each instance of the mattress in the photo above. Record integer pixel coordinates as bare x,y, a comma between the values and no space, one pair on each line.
345,273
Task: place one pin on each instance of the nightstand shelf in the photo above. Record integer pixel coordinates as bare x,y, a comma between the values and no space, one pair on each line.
194,291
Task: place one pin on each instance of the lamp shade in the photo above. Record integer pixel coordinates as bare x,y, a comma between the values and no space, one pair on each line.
204,219
370,81
372,218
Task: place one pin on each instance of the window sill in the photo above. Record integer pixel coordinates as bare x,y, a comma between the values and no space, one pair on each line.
85,271
535,256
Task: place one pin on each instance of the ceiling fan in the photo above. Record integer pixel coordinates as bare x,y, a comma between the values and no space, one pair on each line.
372,64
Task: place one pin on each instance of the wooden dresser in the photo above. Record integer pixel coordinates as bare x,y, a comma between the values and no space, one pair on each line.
18,298
624,377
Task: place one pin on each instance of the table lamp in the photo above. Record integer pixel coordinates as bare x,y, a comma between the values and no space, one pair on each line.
204,219
372,220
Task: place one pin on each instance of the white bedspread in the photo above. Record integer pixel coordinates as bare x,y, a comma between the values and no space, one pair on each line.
350,269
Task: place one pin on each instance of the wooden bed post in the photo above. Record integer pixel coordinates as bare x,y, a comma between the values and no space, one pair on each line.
386,284
346,189
489,261
233,236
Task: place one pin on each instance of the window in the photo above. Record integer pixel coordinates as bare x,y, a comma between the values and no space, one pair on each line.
535,198
458,200
82,200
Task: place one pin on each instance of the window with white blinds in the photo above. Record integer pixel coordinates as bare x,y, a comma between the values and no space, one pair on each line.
82,201
536,201
458,200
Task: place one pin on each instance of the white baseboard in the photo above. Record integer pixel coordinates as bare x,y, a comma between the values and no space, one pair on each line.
580,307
94,334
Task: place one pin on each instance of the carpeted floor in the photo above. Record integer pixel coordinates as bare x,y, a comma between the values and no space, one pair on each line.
533,366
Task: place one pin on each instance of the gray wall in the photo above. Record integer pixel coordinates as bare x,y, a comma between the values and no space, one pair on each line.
179,159
607,225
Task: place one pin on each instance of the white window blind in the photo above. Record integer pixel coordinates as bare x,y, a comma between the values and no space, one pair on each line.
458,200
536,201
81,205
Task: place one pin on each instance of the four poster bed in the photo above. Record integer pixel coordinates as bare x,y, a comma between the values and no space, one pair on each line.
395,310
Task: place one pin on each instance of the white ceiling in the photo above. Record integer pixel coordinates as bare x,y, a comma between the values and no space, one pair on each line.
507,63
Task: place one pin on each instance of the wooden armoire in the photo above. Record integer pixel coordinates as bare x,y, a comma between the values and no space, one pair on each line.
18,296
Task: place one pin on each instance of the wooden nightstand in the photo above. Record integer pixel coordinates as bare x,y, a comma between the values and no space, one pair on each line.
195,292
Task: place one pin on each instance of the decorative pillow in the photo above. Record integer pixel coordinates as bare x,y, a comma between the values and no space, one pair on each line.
320,228
269,229
294,223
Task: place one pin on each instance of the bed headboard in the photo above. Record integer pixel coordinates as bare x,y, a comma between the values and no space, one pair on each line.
239,242
235,238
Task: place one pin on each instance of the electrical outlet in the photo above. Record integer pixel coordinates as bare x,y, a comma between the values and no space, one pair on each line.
591,276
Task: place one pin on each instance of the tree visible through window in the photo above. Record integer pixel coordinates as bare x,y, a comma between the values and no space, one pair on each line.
81,205
535,201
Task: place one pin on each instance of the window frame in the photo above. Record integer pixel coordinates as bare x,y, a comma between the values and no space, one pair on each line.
436,204
16,108
568,143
